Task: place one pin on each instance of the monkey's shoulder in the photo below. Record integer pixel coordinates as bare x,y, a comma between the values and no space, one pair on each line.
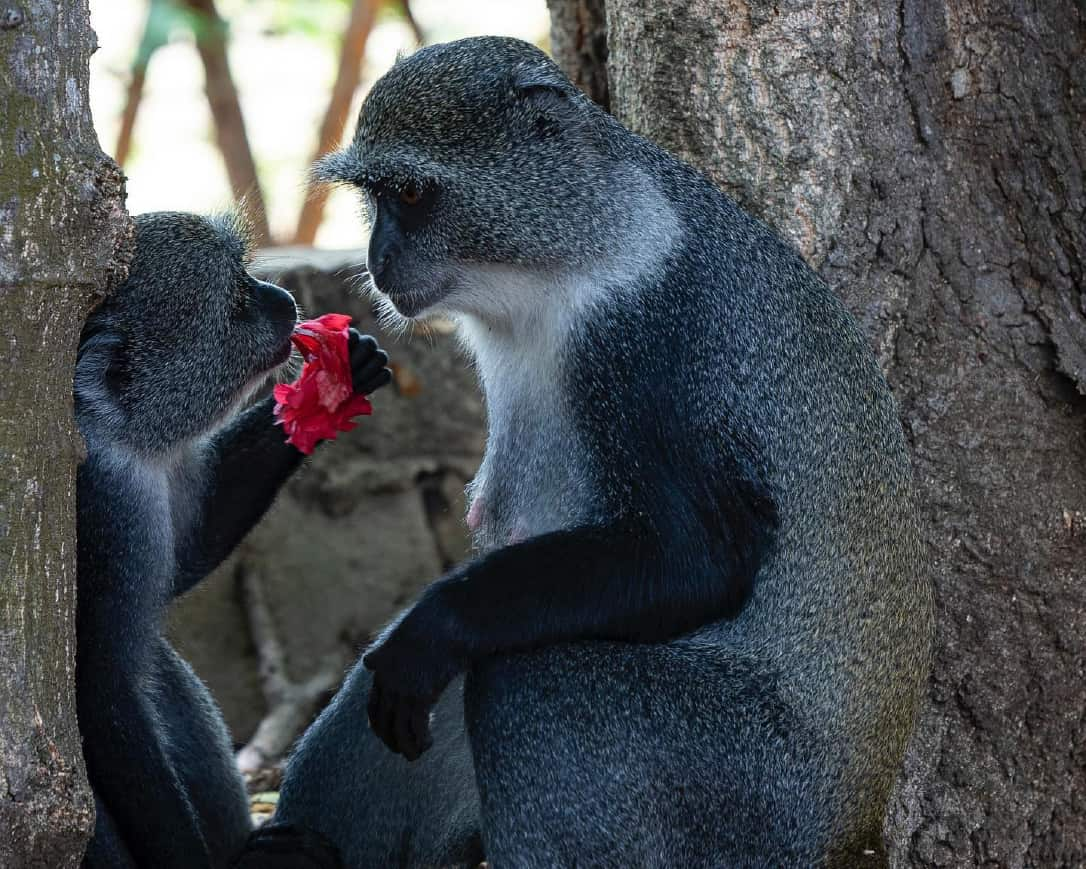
125,526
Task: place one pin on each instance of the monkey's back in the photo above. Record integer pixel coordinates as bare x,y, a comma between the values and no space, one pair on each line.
841,605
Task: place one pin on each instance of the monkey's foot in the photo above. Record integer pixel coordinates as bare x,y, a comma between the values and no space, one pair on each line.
285,846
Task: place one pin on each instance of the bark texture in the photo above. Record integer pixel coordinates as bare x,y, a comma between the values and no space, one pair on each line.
579,43
64,237
928,158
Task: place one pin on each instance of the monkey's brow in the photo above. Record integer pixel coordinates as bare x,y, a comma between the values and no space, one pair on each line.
393,180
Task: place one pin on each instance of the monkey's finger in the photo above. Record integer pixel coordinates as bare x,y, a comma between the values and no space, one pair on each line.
360,374
419,727
366,358
380,711
405,738
357,342
381,378
373,706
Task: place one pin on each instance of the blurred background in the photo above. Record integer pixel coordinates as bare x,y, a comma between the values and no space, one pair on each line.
281,75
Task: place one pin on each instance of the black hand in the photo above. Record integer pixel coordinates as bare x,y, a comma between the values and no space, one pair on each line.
368,363
412,663
401,721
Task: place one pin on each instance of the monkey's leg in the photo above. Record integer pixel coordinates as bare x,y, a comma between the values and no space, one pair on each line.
199,746
106,850
378,809
619,755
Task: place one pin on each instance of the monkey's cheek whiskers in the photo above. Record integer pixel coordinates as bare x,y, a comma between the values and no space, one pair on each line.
389,319
362,281
288,370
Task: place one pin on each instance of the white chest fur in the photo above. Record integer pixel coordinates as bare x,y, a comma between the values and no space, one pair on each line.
521,325
534,476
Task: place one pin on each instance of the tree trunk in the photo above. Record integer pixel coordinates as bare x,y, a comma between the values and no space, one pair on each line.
64,237
928,158
579,41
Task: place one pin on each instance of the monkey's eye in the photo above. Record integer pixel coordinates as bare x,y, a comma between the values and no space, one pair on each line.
410,195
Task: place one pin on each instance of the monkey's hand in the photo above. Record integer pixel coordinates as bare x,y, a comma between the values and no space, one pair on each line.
368,361
412,663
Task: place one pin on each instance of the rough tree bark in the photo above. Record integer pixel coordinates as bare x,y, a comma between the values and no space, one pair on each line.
928,158
579,39
64,237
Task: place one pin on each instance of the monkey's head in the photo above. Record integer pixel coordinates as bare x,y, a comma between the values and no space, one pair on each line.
475,154
190,331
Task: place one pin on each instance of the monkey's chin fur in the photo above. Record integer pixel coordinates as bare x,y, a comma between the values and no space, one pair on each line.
283,355
414,303
281,368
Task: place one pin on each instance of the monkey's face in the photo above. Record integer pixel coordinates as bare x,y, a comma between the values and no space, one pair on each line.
184,338
470,156
403,259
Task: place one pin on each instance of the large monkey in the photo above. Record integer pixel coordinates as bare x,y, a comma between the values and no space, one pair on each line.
697,630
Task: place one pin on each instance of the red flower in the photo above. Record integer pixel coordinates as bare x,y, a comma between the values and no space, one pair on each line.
320,403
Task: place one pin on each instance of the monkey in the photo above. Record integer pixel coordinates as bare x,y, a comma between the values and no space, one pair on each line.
174,476
696,631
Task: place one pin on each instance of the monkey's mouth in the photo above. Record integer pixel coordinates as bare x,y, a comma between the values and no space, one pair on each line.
412,303
282,354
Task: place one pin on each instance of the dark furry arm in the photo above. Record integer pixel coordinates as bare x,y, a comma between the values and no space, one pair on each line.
247,464
634,579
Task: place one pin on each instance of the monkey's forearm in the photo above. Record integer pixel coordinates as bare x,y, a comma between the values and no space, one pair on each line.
249,464
619,583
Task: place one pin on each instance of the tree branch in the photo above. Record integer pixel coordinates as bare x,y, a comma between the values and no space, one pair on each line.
230,133
363,15
291,705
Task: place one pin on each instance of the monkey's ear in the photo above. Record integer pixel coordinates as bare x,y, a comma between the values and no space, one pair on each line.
338,167
534,83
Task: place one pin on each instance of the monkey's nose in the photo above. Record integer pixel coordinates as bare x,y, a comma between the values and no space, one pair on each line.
384,246
277,302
